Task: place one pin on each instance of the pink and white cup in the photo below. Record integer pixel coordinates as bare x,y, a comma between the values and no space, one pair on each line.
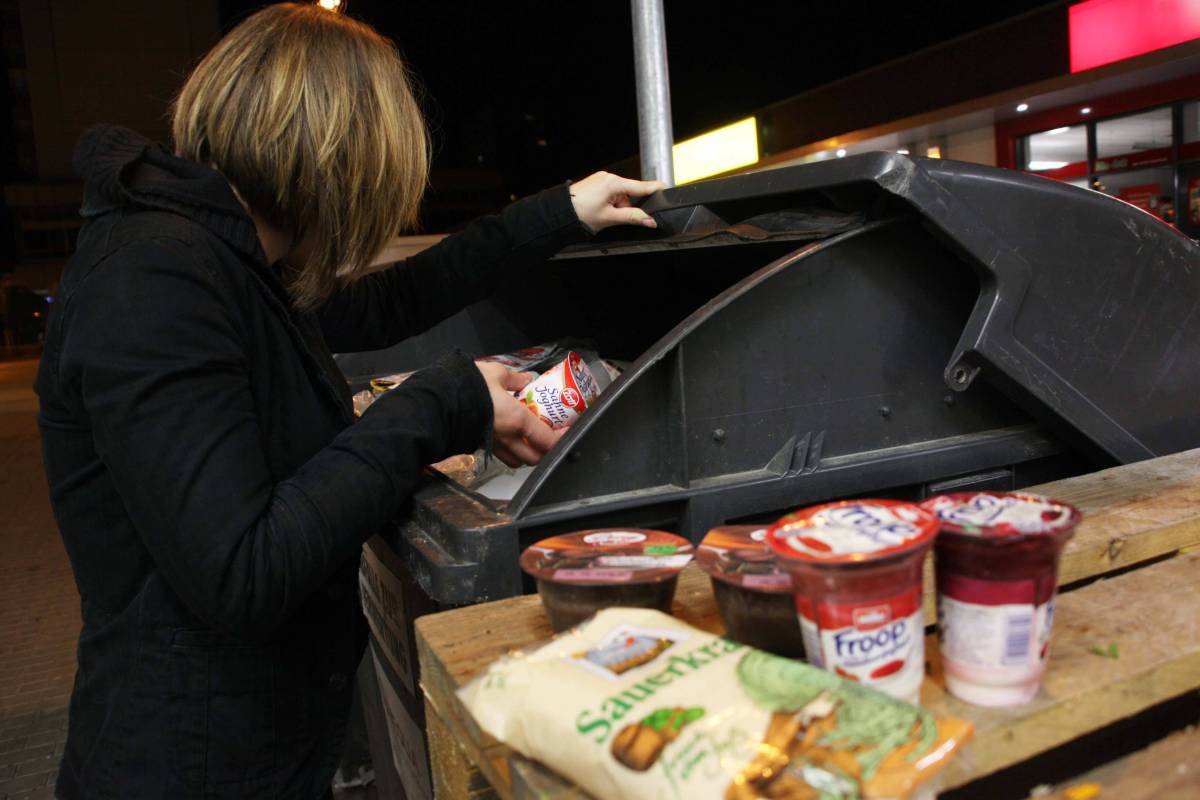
997,573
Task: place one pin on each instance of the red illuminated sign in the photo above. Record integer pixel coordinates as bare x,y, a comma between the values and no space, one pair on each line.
1104,31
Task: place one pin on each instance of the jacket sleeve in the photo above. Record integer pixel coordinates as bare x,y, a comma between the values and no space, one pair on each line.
411,296
158,357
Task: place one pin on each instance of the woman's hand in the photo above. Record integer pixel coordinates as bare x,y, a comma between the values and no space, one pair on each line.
518,437
602,200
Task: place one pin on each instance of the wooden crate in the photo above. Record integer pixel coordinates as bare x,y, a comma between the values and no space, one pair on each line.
1140,521
1167,770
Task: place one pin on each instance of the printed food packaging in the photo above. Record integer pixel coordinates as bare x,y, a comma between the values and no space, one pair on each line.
560,394
997,573
580,573
635,704
856,570
532,358
754,595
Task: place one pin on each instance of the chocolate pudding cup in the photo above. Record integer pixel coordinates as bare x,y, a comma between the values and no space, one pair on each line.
580,573
753,594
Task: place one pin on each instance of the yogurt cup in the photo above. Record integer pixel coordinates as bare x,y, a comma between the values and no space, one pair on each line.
997,573
580,573
754,594
856,570
560,394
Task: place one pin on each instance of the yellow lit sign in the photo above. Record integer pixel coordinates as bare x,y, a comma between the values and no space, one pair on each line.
717,151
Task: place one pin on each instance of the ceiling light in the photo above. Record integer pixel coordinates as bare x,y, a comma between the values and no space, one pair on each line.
903,151
1023,107
1038,166
1056,131
841,152
1085,110
331,5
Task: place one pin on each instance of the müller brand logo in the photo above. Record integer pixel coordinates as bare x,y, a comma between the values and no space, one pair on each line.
871,617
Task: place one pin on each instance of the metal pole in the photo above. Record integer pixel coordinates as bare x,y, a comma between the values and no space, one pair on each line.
653,91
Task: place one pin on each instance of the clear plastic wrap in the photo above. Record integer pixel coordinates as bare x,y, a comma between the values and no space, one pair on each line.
635,704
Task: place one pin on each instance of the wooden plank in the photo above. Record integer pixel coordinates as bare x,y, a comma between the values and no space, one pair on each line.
455,775
532,781
1167,770
409,755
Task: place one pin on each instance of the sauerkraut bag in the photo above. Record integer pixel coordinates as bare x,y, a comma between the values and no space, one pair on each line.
635,704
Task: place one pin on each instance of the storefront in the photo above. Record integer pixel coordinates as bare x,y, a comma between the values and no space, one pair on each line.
1102,94
1142,146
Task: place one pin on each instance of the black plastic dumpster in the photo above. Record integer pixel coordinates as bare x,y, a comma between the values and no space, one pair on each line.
873,324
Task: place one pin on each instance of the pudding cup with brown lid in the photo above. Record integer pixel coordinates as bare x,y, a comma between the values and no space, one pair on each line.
754,595
580,573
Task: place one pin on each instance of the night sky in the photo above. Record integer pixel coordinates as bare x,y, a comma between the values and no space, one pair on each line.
539,91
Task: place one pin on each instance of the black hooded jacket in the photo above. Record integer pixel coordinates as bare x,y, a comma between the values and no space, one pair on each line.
210,483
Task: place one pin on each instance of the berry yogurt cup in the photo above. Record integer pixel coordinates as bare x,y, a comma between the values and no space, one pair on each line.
997,574
856,572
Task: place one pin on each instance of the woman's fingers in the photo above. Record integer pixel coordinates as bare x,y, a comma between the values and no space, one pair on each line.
522,452
505,455
602,200
635,188
518,436
631,216
515,381
515,449
537,434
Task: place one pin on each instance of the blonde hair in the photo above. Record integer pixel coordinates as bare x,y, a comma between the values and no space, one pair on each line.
311,116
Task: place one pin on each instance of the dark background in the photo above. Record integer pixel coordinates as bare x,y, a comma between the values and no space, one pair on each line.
521,95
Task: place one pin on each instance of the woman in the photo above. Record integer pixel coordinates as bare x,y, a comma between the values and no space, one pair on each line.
210,484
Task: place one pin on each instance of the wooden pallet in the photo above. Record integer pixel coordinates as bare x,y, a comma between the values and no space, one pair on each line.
1145,514
1167,770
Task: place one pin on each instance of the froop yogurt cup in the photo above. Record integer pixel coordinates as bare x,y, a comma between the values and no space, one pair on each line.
997,573
856,572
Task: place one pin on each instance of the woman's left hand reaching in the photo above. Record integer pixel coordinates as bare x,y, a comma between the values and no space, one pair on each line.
518,437
602,200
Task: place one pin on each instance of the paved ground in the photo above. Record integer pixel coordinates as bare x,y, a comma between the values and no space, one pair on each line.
39,608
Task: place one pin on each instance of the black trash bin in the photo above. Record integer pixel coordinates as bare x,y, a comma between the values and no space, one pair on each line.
876,324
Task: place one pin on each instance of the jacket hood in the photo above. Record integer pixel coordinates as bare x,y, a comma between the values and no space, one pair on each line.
121,168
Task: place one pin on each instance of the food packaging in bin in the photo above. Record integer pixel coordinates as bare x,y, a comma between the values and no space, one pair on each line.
875,325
